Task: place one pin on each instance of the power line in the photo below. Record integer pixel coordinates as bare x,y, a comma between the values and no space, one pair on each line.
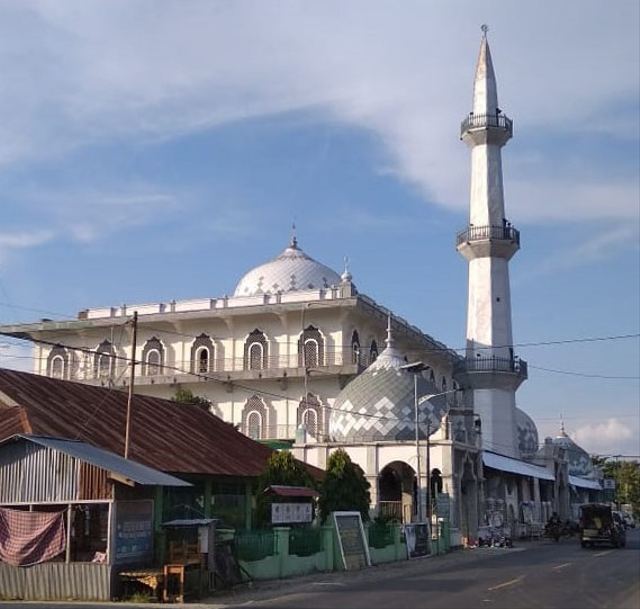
584,375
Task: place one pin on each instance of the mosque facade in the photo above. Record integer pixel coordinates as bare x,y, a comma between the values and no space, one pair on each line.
299,357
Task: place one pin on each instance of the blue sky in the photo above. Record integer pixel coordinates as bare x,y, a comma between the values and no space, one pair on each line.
152,150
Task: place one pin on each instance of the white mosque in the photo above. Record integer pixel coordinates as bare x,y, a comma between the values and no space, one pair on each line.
300,358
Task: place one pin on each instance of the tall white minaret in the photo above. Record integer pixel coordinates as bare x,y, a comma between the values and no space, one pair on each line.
491,370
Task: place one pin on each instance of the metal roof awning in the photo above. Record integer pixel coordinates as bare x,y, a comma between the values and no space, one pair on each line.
587,483
515,466
290,491
126,468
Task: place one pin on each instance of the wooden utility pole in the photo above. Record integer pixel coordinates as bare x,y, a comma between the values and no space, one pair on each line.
131,381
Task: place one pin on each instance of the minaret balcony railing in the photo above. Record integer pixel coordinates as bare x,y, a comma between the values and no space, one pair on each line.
484,121
493,364
488,233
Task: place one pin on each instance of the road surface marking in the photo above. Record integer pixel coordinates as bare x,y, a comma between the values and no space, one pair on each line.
603,553
505,584
562,566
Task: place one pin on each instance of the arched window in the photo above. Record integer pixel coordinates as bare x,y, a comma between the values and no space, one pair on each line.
104,362
255,351
202,355
254,417
432,376
311,348
254,425
202,358
444,383
373,352
355,348
152,357
58,362
310,421
310,415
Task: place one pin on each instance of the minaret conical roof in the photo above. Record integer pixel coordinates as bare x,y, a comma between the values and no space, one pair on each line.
485,89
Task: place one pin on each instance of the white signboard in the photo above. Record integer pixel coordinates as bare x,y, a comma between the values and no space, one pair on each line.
283,513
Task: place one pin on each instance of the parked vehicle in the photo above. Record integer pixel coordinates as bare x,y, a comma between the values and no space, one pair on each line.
629,522
599,524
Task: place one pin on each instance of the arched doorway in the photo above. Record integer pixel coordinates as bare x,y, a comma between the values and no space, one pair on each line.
396,492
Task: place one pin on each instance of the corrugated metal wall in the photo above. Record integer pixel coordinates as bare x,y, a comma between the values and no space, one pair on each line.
34,474
56,582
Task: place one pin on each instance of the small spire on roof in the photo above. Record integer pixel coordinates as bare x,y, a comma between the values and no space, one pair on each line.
346,275
391,343
485,28
563,433
294,241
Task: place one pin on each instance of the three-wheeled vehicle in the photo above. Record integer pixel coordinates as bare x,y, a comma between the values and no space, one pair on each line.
599,525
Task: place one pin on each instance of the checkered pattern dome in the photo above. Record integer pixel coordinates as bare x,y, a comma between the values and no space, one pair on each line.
527,434
292,270
379,404
579,461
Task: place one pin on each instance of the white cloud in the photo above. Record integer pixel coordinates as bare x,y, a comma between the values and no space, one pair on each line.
604,245
609,437
88,71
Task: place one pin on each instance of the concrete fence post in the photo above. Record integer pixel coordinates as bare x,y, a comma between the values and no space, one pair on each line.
281,541
328,539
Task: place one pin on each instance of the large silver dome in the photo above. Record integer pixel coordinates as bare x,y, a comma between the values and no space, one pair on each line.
290,271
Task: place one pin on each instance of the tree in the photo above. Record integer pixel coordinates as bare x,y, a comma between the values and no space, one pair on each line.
282,468
627,479
185,396
344,487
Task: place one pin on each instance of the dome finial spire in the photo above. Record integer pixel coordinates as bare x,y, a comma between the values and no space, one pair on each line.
485,28
294,240
346,275
391,343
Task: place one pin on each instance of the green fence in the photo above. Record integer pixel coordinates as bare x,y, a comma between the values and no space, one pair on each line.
255,545
381,534
305,541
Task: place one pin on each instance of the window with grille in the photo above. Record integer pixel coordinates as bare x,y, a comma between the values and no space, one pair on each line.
203,360
254,418
152,356
355,348
104,362
57,367
154,362
255,356
310,420
202,355
311,348
310,415
311,353
57,362
255,351
373,351
254,425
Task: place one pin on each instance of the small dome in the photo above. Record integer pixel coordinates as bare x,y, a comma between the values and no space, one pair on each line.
292,270
527,434
578,459
379,404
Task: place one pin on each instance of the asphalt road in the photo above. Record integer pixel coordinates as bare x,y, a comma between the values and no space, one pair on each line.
532,575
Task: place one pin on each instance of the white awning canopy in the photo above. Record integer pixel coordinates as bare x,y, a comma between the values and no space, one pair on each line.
588,483
515,466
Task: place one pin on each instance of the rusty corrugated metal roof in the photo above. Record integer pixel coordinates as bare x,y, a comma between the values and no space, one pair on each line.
164,435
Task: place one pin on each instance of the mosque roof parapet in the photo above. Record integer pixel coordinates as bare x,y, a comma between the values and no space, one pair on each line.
342,291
